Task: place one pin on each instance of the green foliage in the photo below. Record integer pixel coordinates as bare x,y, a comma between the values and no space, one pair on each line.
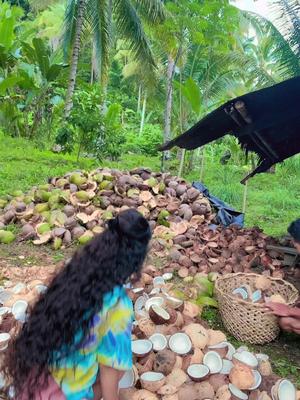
146,143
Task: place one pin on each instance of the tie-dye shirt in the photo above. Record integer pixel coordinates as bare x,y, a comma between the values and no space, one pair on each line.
109,344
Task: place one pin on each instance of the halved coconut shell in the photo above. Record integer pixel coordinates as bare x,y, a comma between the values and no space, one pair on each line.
158,301
158,281
167,276
128,380
284,390
141,348
227,367
158,315
180,343
247,358
198,372
213,361
139,307
237,392
152,381
159,341
257,380
4,339
173,302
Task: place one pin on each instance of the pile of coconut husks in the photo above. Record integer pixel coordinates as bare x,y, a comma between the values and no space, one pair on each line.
176,355
75,207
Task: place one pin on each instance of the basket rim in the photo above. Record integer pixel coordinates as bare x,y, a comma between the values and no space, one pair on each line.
252,274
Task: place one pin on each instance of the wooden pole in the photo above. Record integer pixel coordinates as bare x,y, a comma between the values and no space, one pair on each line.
202,164
181,163
245,197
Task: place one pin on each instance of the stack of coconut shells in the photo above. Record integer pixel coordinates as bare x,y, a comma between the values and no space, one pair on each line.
177,357
74,208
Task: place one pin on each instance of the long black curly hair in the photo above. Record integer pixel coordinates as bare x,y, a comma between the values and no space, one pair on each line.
74,297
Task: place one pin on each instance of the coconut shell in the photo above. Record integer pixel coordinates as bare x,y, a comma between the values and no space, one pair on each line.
167,390
242,377
188,392
144,395
204,390
152,386
177,378
164,362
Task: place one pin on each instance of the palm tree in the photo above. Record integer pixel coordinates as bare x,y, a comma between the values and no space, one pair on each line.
104,19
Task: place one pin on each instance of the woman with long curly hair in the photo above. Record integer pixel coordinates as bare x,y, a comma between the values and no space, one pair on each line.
80,329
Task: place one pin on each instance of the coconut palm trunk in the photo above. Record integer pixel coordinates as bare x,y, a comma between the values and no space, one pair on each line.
75,57
169,99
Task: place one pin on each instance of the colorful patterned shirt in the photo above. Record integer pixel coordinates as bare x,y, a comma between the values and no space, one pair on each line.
109,344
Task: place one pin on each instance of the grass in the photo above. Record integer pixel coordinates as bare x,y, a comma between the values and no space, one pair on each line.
273,200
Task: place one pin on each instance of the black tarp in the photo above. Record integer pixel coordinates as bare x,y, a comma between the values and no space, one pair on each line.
226,215
271,129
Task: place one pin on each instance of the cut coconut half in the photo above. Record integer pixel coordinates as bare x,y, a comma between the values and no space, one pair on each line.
19,310
180,343
152,381
245,357
159,341
4,339
168,276
213,361
256,296
139,307
231,351
138,290
128,380
237,392
5,295
257,380
241,292
159,315
197,372
18,288
155,291
158,281
158,301
227,367
41,289
174,302
141,348
4,310
286,390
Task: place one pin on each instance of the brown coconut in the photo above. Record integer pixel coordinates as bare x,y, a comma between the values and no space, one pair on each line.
204,390
164,362
177,378
145,364
265,368
197,357
218,380
187,392
198,335
191,310
152,386
167,390
215,337
147,326
223,393
242,377
127,394
144,395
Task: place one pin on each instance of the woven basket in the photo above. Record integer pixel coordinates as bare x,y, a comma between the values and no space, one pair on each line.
245,320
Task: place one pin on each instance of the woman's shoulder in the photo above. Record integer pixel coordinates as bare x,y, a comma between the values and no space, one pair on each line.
115,297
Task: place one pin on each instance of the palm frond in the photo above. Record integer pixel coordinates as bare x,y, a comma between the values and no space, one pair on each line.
152,11
98,21
69,27
129,25
287,18
288,64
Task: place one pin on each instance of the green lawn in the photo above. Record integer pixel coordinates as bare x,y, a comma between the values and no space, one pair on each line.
273,200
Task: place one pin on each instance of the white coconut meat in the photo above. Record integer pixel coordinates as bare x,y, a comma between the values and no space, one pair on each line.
19,310
245,357
237,392
141,348
159,315
227,367
173,302
257,380
286,390
152,376
155,291
167,276
213,361
159,341
262,357
158,301
18,288
197,372
158,281
223,345
128,380
242,292
180,343
4,310
41,289
138,290
4,339
139,307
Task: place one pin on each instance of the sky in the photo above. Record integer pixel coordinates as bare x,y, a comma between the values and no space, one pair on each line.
259,6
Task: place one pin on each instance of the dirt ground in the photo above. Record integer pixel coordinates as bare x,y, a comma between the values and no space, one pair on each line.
24,262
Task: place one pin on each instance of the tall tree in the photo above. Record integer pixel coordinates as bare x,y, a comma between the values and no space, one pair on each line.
104,18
